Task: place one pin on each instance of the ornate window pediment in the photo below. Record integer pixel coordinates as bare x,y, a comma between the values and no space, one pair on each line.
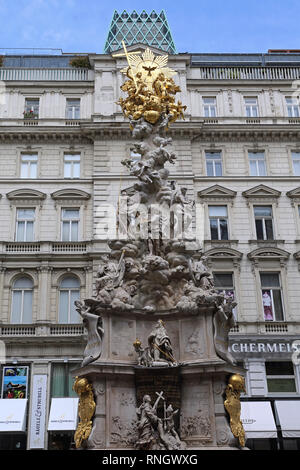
268,253
224,253
294,195
70,194
26,195
262,193
217,193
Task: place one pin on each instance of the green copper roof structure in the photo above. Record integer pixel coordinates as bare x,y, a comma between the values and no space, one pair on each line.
150,29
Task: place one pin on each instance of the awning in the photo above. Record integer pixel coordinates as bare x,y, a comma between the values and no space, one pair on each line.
13,414
63,414
288,412
258,420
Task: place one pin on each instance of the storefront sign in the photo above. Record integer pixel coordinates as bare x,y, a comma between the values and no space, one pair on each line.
15,382
13,415
259,347
38,412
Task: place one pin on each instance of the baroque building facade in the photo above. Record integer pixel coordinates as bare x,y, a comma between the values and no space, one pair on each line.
62,140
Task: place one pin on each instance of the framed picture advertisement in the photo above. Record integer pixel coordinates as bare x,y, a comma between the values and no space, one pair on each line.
15,382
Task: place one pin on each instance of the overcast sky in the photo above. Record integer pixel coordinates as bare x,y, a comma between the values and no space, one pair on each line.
197,25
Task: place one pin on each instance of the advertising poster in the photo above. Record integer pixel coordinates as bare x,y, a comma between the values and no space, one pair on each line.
15,382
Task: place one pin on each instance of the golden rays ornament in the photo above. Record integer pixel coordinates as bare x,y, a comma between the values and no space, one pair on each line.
150,88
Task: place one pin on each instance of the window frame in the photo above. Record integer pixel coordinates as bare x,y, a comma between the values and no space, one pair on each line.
256,160
69,290
281,376
29,163
71,220
22,290
293,152
218,222
35,109
213,161
71,162
264,218
280,289
251,107
291,107
225,289
73,108
210,107
17,220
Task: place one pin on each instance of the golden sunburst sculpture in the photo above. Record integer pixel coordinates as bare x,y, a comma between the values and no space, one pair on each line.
150,88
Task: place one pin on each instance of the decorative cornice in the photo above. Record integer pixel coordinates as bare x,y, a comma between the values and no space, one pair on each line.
217,192
224,253
268,253
261,192
63,194
26,194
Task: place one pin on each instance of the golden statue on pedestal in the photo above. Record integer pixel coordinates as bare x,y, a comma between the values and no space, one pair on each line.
236,385
150,88
86,409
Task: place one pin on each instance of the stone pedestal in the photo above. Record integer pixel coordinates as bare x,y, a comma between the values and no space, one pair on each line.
195,386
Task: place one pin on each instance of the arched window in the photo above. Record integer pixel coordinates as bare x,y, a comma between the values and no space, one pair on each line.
69,291
22,294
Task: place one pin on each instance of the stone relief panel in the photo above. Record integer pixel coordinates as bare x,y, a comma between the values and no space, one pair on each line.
194,341
122,338
122,425
196,415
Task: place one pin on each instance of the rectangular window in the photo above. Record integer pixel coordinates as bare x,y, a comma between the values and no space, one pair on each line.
224,284
69,225
218,222
210,107
264,222
73,108
213,163
280,377
296,163
29,165
25,225
62,380
257,163
32,106
251,107
271,296
71,166
292,107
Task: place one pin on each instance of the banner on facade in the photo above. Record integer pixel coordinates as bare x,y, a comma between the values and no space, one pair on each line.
15,382
38,412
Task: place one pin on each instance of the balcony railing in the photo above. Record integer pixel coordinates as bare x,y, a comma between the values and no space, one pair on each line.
45,247
41,74
249,73
18,331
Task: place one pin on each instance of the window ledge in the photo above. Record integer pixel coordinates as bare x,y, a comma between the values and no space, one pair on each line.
266,242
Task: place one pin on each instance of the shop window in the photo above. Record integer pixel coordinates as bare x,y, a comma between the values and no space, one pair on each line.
218,221
69,291
62,380
271,296
213,163
264,222
21,305
280,377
